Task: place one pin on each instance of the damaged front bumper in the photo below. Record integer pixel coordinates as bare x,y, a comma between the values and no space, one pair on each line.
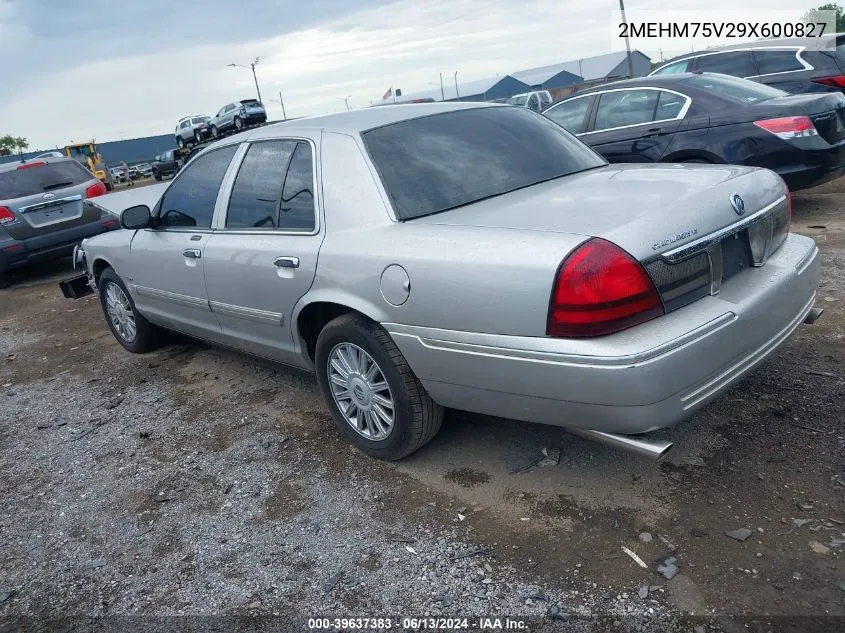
79,285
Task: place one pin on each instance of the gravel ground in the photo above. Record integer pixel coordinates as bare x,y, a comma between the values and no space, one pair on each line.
195,481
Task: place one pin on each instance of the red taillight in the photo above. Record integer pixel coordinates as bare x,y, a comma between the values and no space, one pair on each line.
6,215
96,190
28,165
837,81
601,289
789,126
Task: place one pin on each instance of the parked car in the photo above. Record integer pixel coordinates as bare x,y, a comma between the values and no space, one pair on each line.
167,164
145,170
117,174
192,129
711,118
786,64
53,154
538,100
237,116
42,215
134,174
471,256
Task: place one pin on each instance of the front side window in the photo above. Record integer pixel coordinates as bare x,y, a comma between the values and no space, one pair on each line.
621,108
673,69
189,201
257,193
434,163
571,115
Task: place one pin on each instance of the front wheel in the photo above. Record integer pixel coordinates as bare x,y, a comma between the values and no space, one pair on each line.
180,142
373,395
239,124
128,326
214,132
198,137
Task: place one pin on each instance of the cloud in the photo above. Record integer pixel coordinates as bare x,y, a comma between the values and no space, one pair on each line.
109,70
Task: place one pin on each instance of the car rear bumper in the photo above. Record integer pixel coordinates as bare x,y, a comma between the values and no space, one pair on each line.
20,253
646,378
807,167
255,117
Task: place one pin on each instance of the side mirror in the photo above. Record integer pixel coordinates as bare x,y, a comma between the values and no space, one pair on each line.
137,217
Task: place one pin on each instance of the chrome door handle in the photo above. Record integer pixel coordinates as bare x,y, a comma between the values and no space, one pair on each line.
286,262
192,253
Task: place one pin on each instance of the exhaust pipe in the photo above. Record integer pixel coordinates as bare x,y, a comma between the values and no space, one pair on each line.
654,450
813,315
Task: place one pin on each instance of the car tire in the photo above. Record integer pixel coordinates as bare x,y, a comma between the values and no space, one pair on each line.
198,137
239,124
180,142
5,282
156,175
128,326
214,132
415,418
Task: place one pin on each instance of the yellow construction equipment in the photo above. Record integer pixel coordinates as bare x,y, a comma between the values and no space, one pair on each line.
87,154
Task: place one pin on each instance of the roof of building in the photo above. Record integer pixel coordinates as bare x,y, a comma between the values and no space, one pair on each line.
465,89
589,68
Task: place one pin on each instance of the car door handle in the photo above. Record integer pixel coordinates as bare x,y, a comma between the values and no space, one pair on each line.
192,253
286,262
654,131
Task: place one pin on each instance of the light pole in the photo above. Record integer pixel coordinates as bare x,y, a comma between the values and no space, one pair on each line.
346,100
457,92
627,41
281,102
442,93
251,67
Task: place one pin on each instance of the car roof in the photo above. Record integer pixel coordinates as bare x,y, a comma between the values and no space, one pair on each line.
12,165
799,42
655,81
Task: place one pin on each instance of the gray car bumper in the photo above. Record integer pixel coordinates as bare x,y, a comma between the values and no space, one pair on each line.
646,378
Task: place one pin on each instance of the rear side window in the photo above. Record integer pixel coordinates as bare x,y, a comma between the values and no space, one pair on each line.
435,163
297,209
673,69
625,107
29,181
571,115
736,63
776,61
669,105
189,201
257,192
733,88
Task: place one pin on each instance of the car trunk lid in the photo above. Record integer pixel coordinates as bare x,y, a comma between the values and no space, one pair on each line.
645,209
825,110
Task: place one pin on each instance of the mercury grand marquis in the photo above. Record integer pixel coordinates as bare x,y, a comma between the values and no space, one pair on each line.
466,256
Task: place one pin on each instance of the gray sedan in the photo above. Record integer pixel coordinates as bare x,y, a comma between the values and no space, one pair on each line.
466,256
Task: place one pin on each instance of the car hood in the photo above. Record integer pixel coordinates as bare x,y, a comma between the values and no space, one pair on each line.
645,209
118,201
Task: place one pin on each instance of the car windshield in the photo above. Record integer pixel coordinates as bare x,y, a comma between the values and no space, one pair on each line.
733,88
443,161
35,179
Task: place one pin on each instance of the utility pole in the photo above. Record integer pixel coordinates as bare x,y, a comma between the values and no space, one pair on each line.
457,92
442,92
282,103
627,41
346,101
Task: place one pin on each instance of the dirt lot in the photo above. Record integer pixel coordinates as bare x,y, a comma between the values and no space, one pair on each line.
197,481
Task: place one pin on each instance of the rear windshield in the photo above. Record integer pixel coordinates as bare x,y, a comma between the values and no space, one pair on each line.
198,120
518,100
249,101
733,88
18,183
439,162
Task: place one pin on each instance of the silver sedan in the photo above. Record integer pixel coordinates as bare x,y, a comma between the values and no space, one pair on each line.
465,256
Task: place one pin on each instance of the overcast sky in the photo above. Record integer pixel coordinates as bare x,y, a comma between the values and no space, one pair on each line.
107,69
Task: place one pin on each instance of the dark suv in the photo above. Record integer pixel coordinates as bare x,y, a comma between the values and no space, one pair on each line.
785,64
167,164
43,213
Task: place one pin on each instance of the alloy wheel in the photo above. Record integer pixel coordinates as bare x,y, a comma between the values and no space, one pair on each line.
361,392
120,312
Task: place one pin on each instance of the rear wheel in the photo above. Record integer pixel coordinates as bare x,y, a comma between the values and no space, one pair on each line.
198,137
180,142
374,397
128,326
214,132
239,124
